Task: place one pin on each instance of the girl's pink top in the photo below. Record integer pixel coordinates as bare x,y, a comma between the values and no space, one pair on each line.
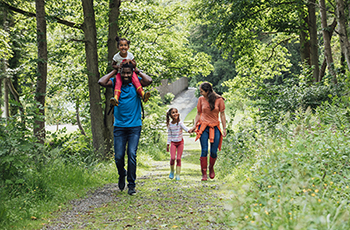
175,132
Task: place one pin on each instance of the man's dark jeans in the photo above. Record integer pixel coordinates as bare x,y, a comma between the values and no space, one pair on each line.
126,136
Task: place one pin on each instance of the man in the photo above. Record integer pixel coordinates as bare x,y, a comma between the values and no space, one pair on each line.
127,123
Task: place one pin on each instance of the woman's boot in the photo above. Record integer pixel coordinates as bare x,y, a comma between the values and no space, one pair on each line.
211,167
204,165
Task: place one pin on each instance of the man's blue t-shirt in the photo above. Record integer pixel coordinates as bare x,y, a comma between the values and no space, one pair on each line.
128,112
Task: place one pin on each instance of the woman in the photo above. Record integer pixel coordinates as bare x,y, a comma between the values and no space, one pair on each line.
207,126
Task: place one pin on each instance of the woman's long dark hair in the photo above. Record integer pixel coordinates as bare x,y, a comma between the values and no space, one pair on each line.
212,96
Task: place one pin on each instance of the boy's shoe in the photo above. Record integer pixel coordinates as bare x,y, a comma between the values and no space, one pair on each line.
121,182
171,175
113,101
146,96
131,191
177,177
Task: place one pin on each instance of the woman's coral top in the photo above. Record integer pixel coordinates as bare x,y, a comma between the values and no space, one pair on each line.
209,118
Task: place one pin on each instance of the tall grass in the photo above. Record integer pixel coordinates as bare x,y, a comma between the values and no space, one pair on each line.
295,176
48,191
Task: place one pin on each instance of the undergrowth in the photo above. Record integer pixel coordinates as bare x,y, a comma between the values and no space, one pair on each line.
294,176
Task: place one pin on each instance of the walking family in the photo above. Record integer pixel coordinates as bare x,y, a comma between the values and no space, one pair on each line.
128,82
207,128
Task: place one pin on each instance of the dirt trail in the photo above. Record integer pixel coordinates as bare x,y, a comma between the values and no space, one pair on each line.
160,203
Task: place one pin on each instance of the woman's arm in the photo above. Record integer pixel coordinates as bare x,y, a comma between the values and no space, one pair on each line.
105,81
145,79
223,122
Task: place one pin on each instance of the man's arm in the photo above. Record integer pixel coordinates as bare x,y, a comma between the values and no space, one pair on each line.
145,79
105,81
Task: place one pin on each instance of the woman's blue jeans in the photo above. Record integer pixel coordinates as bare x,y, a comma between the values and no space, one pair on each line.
213,146
123,136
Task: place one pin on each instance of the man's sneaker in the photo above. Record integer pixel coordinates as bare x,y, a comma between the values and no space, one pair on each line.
131,191
171,175
146,96
121,182
113,101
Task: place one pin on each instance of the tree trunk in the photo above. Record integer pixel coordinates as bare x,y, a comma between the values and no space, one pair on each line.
40,93
313,40
343,36
324,63
77,105
97,124
6,99
113,30
327,41
304,42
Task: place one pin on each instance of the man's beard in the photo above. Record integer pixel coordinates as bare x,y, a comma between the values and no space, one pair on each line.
125,82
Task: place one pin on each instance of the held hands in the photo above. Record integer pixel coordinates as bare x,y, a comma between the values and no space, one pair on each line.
191,130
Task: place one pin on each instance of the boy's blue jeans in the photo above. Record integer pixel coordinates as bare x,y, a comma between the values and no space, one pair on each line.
213,146
123,136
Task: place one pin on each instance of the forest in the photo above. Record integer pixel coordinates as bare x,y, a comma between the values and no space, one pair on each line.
282,66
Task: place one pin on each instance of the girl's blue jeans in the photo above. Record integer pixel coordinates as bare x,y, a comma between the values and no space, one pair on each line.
123,136
213,146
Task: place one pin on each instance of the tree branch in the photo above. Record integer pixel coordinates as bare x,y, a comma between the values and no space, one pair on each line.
30,14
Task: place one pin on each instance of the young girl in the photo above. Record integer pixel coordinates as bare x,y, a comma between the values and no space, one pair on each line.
175,140
122,56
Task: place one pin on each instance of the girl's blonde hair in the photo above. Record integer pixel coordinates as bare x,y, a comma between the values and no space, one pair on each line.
168,115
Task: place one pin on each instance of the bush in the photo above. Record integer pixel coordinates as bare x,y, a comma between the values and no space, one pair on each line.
294,176
168,98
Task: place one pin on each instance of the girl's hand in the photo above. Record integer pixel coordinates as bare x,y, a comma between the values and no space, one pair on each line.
117,67
167,147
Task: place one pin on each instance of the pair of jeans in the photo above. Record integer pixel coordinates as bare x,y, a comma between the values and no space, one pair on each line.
213,146
126,136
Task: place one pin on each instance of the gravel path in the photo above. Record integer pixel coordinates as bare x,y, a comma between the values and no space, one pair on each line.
160,203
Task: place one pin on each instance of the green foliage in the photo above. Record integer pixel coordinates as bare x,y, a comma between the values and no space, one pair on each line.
74,147
48,190
168,98
162,50
272,100
5,50
152,141
223,66
293,176
19,151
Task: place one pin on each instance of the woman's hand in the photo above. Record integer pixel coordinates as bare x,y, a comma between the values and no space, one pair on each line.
224,133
